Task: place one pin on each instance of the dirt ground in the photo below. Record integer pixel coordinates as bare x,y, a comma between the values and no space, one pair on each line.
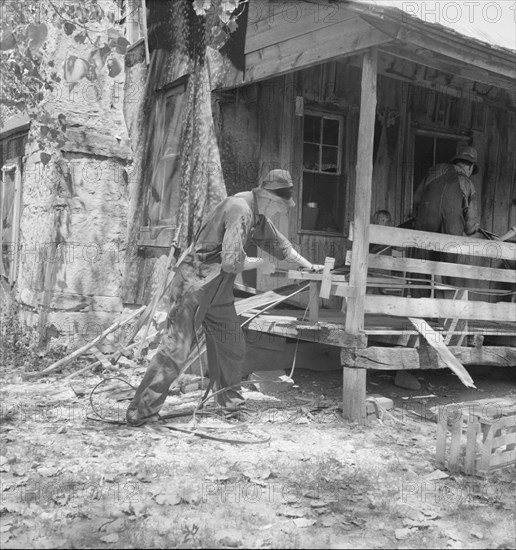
305,479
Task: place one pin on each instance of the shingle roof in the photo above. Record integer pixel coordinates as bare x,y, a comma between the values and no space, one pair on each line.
489,23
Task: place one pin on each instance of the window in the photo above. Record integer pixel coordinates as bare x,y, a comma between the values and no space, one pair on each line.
164,176
323,192
10,207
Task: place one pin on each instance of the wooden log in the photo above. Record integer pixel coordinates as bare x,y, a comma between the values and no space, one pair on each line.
78,352
440,308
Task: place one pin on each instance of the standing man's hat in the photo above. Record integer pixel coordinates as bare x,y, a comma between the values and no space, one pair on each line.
279,182
467,154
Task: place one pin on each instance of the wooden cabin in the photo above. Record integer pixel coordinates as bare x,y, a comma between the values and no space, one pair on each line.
357,99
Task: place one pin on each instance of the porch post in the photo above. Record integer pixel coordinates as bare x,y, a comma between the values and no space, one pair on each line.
354,379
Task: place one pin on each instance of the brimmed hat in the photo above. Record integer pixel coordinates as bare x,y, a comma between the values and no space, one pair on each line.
280,183
467,154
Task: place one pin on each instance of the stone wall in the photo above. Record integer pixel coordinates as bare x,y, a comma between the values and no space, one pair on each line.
74,219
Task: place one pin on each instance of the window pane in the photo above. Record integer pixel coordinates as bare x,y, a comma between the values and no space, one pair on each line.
312,128
330,159
330,131
311,157
322,203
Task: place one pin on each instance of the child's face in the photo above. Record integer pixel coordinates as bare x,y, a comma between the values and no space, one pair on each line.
383,220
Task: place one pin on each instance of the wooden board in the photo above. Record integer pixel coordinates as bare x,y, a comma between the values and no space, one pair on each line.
312,48
395,236
278,22
440,308
323,333
442,268
435,340
363,192
425,357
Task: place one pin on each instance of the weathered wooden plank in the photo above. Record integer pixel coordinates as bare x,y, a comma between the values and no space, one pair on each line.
455,443
313,313
453,244
363,192
448,67
424,357
471,445
326,283
291,19
315,47
487,67
440,308
436,341
354,390
442,430
324,333
441,268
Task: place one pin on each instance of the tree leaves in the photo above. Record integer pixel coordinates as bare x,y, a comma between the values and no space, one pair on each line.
68,28
45,158
36,36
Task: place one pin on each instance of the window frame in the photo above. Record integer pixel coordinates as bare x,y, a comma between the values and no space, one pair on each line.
341,118
12,165
160,235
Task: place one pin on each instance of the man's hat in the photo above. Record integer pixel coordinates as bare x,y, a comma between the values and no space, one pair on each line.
467,154
280,183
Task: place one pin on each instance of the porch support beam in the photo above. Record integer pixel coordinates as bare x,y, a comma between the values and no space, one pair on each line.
354,380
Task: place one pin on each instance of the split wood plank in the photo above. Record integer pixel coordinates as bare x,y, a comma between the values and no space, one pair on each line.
435,340
440,308
78,352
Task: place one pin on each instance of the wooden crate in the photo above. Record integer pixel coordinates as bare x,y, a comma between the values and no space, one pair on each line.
474,442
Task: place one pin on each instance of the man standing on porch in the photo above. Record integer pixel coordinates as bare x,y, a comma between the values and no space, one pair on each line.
446,202
202,293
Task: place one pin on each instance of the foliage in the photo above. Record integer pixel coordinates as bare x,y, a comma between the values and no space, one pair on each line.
30,73
225,13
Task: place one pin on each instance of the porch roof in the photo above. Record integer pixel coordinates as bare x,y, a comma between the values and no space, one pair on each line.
280,43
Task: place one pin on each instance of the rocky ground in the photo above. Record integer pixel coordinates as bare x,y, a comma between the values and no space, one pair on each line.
304,478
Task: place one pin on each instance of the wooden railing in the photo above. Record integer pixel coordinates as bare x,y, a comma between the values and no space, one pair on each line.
440,307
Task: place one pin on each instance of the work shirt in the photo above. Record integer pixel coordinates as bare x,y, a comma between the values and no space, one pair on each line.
446,202
233,225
